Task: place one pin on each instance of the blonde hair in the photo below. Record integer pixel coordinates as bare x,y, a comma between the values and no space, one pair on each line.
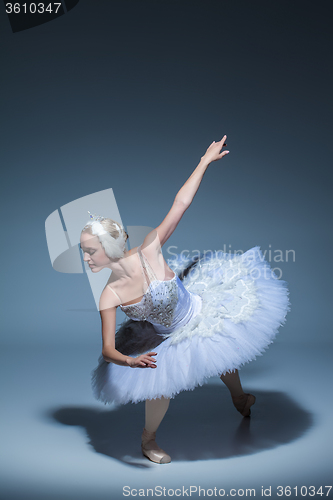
109,226
111,235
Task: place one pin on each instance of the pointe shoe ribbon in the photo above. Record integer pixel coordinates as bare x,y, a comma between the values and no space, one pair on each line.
243,404
151,450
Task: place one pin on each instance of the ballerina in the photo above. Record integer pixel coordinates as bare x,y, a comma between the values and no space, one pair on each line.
188,321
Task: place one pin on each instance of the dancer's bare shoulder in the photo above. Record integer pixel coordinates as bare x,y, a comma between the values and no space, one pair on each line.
120,290
154,255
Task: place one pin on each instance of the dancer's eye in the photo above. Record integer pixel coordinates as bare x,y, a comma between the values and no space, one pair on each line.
88,252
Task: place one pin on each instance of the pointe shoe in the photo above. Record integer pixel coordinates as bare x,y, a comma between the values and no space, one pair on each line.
243,403
151,450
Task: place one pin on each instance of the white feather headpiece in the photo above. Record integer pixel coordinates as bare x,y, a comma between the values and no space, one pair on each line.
114,247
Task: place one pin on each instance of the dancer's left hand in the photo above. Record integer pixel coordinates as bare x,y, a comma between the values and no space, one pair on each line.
213,151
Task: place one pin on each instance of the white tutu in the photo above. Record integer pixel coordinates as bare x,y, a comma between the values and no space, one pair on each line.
239,305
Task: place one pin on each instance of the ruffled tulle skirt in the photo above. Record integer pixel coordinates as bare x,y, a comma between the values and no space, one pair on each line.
243,306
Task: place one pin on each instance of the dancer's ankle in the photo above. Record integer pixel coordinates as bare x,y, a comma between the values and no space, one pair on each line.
238,395
148,435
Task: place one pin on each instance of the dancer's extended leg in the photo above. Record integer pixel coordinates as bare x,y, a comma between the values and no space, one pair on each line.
155,411
232,381
240,399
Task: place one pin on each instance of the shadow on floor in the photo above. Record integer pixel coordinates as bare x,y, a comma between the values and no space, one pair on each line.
199,425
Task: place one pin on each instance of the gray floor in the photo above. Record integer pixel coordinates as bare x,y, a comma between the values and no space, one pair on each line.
59,443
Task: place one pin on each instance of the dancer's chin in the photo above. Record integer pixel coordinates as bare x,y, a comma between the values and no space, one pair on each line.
95,269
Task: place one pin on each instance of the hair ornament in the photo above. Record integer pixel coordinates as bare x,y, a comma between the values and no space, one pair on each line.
113,247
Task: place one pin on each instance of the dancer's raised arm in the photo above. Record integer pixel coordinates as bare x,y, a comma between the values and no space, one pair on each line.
185,195
189,189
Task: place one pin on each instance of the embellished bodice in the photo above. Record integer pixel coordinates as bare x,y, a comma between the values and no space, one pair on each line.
165,303
159,300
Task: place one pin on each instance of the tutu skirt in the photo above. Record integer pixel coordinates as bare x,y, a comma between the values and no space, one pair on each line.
243,306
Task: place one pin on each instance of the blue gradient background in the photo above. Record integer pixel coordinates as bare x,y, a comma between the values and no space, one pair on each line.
128,95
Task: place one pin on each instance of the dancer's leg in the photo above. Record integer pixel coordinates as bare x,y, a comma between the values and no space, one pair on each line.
155,411
232,381
240,399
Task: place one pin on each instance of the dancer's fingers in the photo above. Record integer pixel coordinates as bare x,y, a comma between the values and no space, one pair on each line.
224,153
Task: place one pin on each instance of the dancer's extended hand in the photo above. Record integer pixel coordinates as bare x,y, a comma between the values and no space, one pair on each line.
213,152
144,361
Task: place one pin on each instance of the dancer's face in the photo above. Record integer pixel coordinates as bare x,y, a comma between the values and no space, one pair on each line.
93,252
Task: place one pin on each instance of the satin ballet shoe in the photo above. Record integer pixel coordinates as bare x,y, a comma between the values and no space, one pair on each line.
243,403
151,450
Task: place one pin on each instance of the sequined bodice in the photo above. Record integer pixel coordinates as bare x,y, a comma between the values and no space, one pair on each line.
166,304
